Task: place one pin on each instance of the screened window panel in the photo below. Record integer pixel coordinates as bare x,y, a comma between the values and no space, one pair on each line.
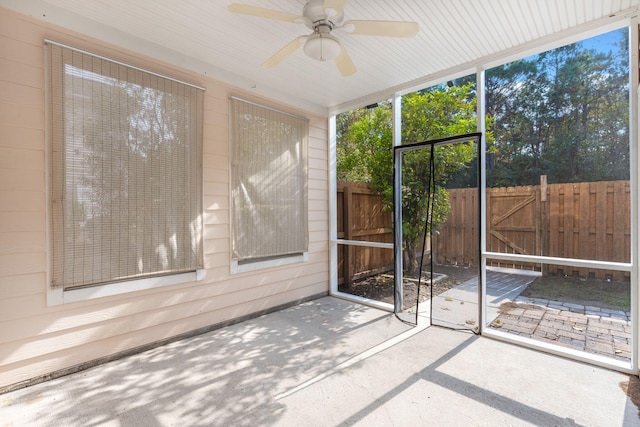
126,184
269,182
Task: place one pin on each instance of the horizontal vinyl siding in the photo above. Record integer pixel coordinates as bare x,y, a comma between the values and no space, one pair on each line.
36,339
22,285
22,181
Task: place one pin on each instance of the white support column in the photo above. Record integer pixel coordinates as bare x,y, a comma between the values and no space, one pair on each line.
397,217
482,170
333,218
397,120
634,119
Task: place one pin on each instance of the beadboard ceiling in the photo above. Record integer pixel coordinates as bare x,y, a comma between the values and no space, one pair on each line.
202,35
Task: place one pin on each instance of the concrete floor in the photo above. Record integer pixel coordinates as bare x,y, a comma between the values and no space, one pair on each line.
328,363
457,308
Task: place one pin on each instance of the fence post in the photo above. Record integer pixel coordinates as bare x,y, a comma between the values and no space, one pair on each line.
348,225
544,222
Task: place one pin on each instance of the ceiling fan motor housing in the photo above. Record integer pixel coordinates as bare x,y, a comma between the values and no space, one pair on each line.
315,16
321,45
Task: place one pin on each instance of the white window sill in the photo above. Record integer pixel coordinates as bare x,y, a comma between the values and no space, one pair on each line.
260,265
60,296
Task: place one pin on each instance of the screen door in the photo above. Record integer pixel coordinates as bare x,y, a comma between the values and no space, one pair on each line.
436,232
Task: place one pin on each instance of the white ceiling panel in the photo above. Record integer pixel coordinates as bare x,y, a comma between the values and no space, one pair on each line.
202,35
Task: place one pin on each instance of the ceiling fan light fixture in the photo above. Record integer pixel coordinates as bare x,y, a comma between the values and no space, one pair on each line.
322,47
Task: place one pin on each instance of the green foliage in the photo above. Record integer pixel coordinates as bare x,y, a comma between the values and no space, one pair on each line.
438,113
364,143
365,152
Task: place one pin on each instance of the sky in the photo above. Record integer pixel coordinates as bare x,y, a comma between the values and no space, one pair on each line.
605,42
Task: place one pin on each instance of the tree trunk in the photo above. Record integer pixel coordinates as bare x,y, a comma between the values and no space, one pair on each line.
410,260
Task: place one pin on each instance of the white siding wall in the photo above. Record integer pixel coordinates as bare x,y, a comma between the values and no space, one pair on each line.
36,339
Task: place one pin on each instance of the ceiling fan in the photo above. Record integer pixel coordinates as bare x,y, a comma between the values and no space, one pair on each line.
322,17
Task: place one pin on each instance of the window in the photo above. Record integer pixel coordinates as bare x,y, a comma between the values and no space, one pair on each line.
269,184
126,162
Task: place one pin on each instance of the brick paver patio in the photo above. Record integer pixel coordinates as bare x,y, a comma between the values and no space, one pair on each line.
586,328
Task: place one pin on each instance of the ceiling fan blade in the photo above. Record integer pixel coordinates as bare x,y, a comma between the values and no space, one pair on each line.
344,63
334,7
382,28
280,55
263,12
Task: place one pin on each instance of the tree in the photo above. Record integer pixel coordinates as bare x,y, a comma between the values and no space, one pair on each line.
365,154
562,113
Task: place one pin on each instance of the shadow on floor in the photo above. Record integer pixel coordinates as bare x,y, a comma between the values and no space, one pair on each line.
323,363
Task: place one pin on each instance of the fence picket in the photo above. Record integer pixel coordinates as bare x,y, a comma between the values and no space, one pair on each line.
577,220
584,201
361,216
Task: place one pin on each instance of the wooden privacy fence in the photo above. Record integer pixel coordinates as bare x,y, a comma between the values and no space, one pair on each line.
588,220
361,216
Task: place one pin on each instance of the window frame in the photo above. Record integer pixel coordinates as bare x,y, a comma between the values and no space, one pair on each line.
57,295
259,263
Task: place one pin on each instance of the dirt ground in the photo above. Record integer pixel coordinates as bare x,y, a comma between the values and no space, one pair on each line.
380,287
